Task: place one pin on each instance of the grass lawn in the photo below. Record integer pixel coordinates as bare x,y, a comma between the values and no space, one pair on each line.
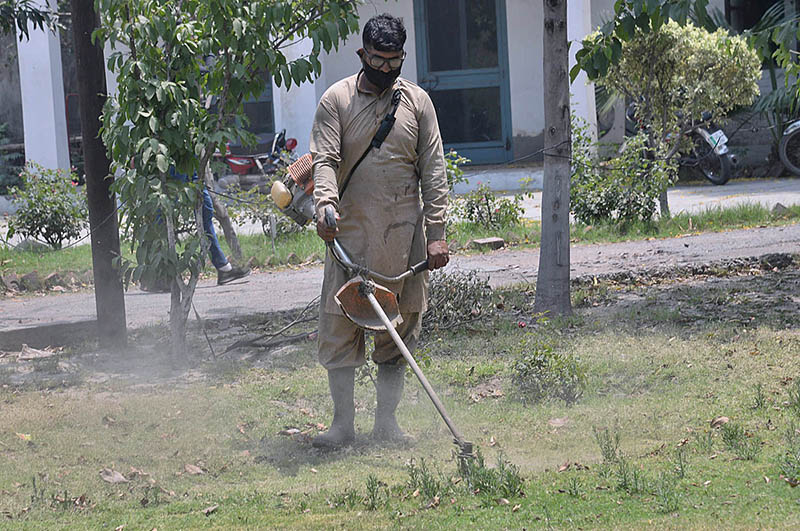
305,246
225,445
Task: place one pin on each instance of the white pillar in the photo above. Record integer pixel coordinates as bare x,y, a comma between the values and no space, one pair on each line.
579,24
43,112
294,108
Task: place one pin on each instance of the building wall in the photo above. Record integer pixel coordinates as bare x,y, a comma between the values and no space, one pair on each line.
524,23
524,20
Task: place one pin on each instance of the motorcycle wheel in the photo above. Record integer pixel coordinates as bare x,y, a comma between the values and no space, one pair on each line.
789,152
716,168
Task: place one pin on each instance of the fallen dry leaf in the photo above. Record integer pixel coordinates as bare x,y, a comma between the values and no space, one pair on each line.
564,467
135,472
28,353
119,527
492,441
314,471
415,493
503,501
716,422
289,431
793,482
558,423
112,476
434,503
209,510
193,470
516,508
766,479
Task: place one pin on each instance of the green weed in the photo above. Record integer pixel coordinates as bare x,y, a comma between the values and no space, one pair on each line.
377,495
541,372
736,439
608,441
759,397
502,481
794,397
667,493
430,484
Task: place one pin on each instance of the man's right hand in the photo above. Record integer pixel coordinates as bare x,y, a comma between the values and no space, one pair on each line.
325,231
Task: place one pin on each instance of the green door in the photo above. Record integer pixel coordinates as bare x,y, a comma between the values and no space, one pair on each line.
462,63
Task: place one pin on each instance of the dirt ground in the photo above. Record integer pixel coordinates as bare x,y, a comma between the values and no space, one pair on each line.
748,291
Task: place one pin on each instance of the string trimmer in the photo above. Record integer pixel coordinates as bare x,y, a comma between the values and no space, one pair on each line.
373,307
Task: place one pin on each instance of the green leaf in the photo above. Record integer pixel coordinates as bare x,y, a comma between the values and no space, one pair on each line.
573,73
161,163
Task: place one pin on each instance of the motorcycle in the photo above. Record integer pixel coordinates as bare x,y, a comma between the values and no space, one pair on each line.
789,148
280,153
708,151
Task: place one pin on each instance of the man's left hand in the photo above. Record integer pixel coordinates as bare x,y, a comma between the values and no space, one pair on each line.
438,254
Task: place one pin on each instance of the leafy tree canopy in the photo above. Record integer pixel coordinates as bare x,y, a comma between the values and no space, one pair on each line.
601,51
16,14
173,59
675,73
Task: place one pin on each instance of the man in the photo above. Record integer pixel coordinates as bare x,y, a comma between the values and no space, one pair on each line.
381,222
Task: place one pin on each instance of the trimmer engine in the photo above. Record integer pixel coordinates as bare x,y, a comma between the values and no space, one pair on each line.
294,194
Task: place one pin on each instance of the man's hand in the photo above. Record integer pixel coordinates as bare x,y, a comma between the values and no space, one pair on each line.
325,231
438,254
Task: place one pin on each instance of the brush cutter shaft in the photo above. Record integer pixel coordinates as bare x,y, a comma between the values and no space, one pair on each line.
417,371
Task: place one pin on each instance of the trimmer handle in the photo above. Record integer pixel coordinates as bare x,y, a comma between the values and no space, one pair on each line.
330,216
420,267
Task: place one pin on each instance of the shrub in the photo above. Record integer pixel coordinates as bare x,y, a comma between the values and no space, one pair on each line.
455,174
541,372
483,207
50,206
675,73
456,298
624,189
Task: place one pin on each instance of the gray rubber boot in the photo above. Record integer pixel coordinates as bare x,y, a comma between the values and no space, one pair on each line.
342,431
390,391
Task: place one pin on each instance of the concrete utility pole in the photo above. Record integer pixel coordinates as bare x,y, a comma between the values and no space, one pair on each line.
109,295
552,282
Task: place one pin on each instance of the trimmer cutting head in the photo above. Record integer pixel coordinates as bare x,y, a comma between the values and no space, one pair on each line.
356,307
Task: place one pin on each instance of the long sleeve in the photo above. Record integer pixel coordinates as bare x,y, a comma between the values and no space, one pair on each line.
431,170
325,153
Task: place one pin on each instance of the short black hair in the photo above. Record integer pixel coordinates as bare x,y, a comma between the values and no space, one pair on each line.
385,33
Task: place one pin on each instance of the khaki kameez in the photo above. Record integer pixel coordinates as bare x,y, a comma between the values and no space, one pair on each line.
394,203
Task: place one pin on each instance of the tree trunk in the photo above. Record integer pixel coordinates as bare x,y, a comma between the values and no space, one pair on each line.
221,213
109,295
552,283
663,203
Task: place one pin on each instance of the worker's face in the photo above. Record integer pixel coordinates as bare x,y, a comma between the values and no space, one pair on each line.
381,68
383,61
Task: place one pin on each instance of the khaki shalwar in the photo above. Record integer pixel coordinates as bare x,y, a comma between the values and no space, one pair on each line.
395,202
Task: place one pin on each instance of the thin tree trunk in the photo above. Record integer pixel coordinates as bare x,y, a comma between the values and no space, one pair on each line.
221,213
108,294
552,283
663,203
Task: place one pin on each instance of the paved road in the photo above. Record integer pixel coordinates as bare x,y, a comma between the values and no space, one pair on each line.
696,198
43,320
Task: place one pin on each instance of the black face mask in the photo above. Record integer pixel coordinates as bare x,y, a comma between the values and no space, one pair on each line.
379,78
